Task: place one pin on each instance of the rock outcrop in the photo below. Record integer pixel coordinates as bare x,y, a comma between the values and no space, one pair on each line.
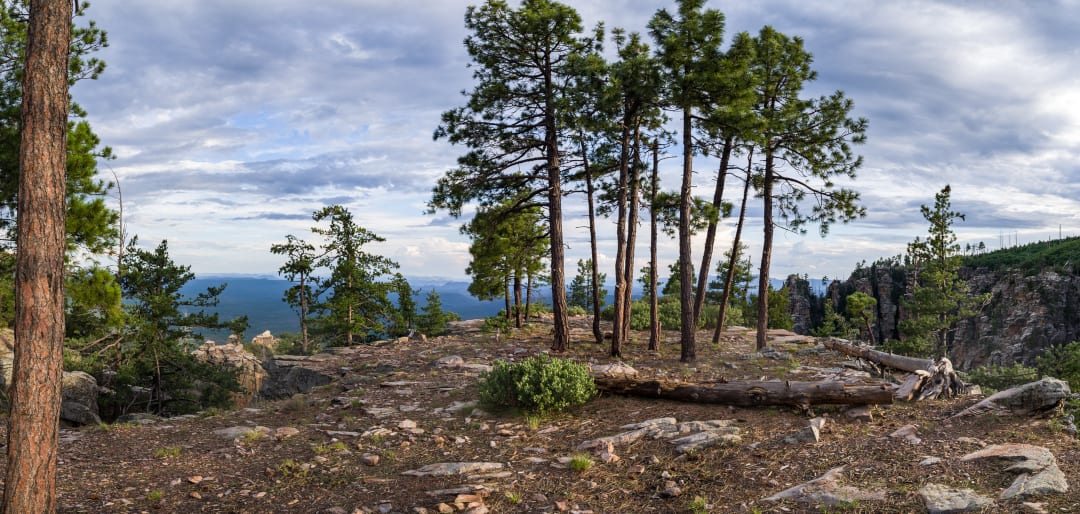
249,371
1026,313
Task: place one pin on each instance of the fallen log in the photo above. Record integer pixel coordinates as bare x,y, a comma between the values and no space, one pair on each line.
900,362
928,379
750,394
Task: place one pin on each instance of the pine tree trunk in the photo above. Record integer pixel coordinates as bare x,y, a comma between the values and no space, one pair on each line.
590,192
654,304
631,234
617,325
561,340
710,232
756,393
686,296
33,426
766,256
729,280
517,300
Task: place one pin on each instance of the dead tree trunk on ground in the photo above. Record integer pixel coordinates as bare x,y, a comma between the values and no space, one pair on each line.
928,379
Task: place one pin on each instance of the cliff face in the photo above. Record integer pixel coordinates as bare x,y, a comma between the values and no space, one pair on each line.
1026,314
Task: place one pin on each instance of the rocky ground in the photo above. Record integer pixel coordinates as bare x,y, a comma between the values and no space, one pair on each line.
398,431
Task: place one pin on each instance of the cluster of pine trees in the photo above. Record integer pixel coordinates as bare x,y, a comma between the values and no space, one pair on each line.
553,112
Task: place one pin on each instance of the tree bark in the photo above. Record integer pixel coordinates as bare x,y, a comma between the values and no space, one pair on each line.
518,311
686,293
654,304
617,325
710,232
749,394
33,427
561,339
631,233
766,256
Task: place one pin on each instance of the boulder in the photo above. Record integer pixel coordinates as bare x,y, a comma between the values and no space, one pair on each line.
1038,472
940,499
1034,398
79,396
265,340
287,377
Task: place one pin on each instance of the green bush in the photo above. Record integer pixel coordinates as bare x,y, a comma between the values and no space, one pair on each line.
1062,362
498,322
539,384
999,378
576,310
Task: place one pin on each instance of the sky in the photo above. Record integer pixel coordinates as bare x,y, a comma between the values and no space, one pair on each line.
233,121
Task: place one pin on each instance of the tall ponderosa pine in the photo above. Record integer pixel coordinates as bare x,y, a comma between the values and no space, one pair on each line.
91,227
522,63
689,47
737,248
806,144
941,297
636,89
357,288
33,427
724,128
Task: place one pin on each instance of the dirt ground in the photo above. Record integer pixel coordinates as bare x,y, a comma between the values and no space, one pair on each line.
182,465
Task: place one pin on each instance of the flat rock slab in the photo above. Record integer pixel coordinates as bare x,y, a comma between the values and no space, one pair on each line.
940,499
1037,468
827,490
455,468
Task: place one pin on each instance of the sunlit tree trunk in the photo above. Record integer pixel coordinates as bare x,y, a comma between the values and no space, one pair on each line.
33,427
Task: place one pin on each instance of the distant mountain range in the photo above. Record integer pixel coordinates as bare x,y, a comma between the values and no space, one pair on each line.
260,298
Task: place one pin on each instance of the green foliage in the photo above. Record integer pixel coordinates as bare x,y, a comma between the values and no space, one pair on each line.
404,317
941,297
673,285
495,323
581,287
779,317
999,378
580,462
158,335
1062,362
433,320
299,269
508,246
356,304
539,384
1058,254
576,310
832,324
860,309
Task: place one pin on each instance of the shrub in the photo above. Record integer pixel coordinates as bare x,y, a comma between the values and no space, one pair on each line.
999,378
576,310
1062,362
498,322
539,384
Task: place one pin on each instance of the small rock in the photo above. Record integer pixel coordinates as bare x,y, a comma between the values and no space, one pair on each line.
444,508
369,459
195,479
608,458
1036,507
385,508
671,490
406,424
285,433
907,432
930,461
196,495
860,413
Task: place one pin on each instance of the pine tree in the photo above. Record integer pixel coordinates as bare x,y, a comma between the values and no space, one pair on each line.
582,286
941,297
522,60
806,144
299,269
